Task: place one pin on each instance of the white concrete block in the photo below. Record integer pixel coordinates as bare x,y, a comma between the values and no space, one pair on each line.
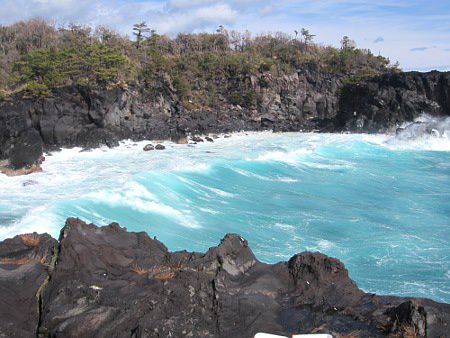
268,335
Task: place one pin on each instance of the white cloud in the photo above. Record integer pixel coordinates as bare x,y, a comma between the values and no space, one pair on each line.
188,3
199,18
266,10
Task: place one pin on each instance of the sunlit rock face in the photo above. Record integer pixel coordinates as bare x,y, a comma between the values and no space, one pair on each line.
107,281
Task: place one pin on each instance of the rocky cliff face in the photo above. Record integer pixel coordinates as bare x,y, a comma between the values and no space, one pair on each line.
388,100
306,100
107,282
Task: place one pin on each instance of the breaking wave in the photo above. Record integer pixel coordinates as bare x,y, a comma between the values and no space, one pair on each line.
377,202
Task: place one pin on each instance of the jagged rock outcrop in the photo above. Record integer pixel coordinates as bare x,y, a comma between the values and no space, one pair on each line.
386,101
306,100
107,282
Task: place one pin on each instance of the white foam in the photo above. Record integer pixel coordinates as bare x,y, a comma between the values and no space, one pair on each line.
220,192
317,165
40,219
136,197
426,133
284,226
323,244
210,211
286,179
192,167
283,156
250,174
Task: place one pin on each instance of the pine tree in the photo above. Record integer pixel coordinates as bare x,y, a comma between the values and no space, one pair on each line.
140,30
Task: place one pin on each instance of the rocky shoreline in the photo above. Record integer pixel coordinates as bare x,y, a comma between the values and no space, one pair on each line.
107,282
307,100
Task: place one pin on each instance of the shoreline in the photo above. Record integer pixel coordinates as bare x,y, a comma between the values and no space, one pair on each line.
311,101
190,141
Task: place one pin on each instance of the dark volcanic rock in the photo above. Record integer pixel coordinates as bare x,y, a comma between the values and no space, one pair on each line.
26,150
197,139
108,282
383,102
179,137
160,147
149,147
24,267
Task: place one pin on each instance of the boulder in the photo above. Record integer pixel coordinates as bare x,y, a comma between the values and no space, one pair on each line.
179,137
197,139
160,147
149,147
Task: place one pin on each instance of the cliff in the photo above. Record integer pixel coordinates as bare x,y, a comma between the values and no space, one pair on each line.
305,100
392,98
107,282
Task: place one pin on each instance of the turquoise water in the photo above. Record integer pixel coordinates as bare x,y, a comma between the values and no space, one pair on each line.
378,203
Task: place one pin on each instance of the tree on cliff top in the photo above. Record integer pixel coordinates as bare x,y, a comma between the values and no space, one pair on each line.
35,54
307,37
140,30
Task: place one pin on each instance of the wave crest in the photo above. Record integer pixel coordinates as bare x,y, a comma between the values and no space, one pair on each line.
424,133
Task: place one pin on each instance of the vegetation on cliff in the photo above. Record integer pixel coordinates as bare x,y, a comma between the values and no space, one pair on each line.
202,69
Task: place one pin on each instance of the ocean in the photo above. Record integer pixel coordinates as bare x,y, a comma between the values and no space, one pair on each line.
379,203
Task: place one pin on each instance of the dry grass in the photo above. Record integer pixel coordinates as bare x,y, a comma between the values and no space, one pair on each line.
406,332
164,275
140,271
410,332
30,240
161,272
22,261
14,261
5,92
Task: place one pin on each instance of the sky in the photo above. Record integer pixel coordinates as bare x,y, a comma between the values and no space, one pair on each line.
415,33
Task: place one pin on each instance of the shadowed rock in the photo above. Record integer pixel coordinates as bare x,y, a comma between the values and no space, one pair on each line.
24,267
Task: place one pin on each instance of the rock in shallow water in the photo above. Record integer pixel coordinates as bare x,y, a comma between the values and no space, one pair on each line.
149,147
110,282
160,147
197,139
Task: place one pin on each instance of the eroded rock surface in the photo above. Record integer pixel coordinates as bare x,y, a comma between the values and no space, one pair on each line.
25,261
108,282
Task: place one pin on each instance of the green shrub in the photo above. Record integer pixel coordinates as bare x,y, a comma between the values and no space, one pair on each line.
37,89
